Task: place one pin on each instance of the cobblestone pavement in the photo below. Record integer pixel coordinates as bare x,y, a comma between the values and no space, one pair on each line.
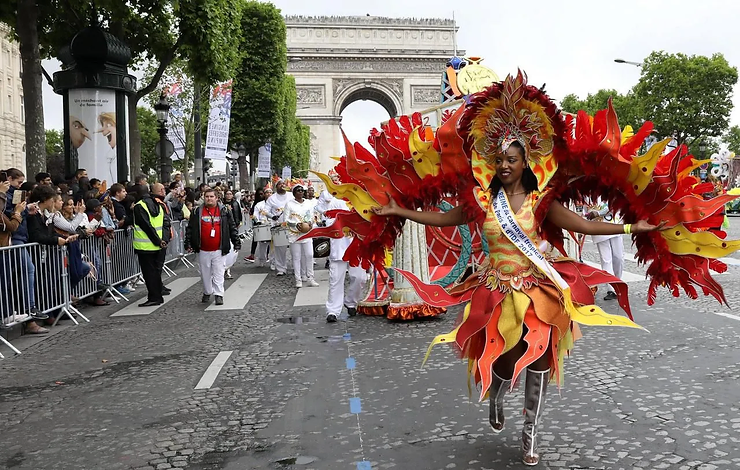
118,393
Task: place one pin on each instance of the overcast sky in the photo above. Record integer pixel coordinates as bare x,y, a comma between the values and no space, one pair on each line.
570,44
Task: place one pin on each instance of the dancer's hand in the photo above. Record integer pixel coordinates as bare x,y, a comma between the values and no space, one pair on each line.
390,209
642,226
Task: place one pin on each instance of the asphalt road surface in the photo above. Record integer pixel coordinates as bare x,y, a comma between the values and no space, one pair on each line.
267,384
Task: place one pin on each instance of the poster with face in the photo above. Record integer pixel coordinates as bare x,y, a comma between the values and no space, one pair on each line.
92,132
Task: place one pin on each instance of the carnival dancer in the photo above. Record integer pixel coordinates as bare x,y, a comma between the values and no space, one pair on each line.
261,217
338,268
512,160
211,232
518,269
275,206
611,247
299,218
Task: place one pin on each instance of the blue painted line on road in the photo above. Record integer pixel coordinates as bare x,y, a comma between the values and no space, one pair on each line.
350,363
354,405
347,336
364,465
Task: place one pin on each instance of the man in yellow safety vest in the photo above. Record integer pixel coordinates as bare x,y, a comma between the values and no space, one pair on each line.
148,222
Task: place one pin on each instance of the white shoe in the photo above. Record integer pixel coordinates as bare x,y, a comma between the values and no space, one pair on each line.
331,318
298,284
228,275
272,266
312,283
280,274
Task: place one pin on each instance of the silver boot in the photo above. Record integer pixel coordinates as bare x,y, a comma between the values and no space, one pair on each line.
535,389
496,394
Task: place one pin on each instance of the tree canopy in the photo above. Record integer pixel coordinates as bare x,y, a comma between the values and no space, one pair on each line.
624,105
257,113
732,139
691,95
204,33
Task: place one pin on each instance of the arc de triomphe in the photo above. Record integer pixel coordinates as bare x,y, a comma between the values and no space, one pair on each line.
396,62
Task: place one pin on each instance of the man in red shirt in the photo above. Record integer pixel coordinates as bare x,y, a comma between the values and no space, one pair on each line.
211,232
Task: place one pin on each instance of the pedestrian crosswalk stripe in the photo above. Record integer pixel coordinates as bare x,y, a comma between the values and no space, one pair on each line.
626,276
209,376
178,286
728,261
314,295
727,315
239,292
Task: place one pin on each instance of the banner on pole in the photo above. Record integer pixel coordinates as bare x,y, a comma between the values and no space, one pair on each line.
217,138
175,127
263,161
287,172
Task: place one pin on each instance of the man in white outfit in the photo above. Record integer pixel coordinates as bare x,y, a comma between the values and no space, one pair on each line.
211,231
275,206
611,247
299,216
261,217
338,268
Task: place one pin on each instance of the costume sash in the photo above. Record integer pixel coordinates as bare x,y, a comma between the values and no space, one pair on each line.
515,234
586,314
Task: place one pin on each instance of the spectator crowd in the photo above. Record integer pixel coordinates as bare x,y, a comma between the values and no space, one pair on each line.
58,212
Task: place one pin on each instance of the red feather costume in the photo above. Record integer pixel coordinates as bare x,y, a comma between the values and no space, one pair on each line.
514,296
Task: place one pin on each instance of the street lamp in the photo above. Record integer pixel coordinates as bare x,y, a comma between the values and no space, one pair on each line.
622,61
162,109
703,150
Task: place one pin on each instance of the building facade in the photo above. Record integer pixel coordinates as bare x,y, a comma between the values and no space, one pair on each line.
12,112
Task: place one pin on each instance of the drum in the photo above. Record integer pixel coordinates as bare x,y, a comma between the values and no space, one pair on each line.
261,233
280,236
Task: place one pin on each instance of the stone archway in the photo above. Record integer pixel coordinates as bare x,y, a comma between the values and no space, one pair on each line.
388,94
395,62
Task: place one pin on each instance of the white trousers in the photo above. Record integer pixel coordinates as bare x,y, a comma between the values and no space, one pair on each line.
260,254
302,254
280,255
611,252
337,296
212,272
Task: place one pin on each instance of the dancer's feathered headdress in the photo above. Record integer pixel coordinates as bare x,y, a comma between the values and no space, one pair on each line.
512,111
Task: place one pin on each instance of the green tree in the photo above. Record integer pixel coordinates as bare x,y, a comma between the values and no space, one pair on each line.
182,112
204,33
303,148
691,95
54,142
625,106
22,17
54,163
257,99
732,139
149,142
284,146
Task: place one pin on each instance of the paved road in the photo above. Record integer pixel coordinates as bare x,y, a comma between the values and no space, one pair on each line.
120,392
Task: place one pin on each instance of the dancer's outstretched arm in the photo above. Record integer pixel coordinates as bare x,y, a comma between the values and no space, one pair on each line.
569,220
450,218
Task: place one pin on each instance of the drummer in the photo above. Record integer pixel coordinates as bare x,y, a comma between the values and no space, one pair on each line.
261,217
275,206
299,216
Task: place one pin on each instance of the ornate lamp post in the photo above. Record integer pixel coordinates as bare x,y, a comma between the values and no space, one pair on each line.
95,84
162,109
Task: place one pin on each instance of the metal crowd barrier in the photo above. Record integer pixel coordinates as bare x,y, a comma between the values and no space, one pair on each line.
36,275
33,275
176,248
